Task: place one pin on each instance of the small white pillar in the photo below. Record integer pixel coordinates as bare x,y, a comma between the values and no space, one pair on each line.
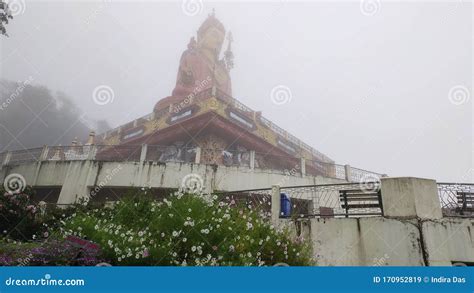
252,160
143,153
197,159
7,158
44,153
276,205
303,167
348,171
410,197
92,152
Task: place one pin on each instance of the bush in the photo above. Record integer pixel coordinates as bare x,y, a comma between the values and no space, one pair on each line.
186,230
24,220
18,215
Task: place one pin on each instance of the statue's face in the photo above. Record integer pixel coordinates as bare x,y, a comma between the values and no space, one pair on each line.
212,40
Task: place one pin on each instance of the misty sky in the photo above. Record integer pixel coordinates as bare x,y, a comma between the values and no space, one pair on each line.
370,88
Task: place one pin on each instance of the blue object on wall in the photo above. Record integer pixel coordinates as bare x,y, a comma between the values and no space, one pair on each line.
285,205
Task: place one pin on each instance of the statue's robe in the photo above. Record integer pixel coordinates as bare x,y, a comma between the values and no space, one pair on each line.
197,73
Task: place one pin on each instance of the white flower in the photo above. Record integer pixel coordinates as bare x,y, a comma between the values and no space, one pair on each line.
185,239
162,234
249,226
231,248
193,249
96,227
175,234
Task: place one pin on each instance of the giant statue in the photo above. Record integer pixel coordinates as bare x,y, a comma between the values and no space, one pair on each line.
201,67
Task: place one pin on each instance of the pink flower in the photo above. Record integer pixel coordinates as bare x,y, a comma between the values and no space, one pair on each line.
146,253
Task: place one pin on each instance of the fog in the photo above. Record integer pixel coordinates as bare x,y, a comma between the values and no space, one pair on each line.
387,88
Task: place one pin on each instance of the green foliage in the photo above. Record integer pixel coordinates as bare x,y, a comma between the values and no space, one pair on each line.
18,215
5,16
23,220
186,229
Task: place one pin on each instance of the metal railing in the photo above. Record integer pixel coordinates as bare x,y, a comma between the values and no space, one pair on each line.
316,201
288,165
456,199
258,200
335,200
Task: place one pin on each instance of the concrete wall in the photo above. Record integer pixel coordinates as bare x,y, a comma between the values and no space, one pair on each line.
379,241
413,231
78,177
366,242
449,240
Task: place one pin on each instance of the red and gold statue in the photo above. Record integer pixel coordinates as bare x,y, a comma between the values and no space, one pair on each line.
200,67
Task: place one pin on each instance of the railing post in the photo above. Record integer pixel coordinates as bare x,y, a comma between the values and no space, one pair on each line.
348,171
464,202
252,160
410,197
379,196
6,161
44,153
92,152
303,167
346,204
143,153
197,159
276,204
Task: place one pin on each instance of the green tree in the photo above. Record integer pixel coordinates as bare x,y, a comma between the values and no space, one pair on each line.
5,15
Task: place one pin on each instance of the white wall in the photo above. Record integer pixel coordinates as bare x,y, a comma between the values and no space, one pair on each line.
78,177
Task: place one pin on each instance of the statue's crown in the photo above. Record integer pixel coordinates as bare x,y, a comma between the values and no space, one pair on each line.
211,21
